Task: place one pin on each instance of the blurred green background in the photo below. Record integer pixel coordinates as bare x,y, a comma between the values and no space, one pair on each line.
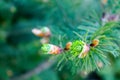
20,49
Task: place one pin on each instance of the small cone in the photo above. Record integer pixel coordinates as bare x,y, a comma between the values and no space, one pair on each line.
68,45
95,43
44,32
51,49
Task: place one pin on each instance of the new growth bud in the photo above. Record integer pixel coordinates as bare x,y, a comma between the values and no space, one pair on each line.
79,48
68,45
51,49
94,43
43,32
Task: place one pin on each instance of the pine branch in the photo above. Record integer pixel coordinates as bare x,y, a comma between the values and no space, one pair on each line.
95,53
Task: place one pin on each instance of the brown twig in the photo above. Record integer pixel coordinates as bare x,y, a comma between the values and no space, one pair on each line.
37,70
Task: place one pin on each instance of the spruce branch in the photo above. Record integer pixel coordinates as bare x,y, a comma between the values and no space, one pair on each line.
98,52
